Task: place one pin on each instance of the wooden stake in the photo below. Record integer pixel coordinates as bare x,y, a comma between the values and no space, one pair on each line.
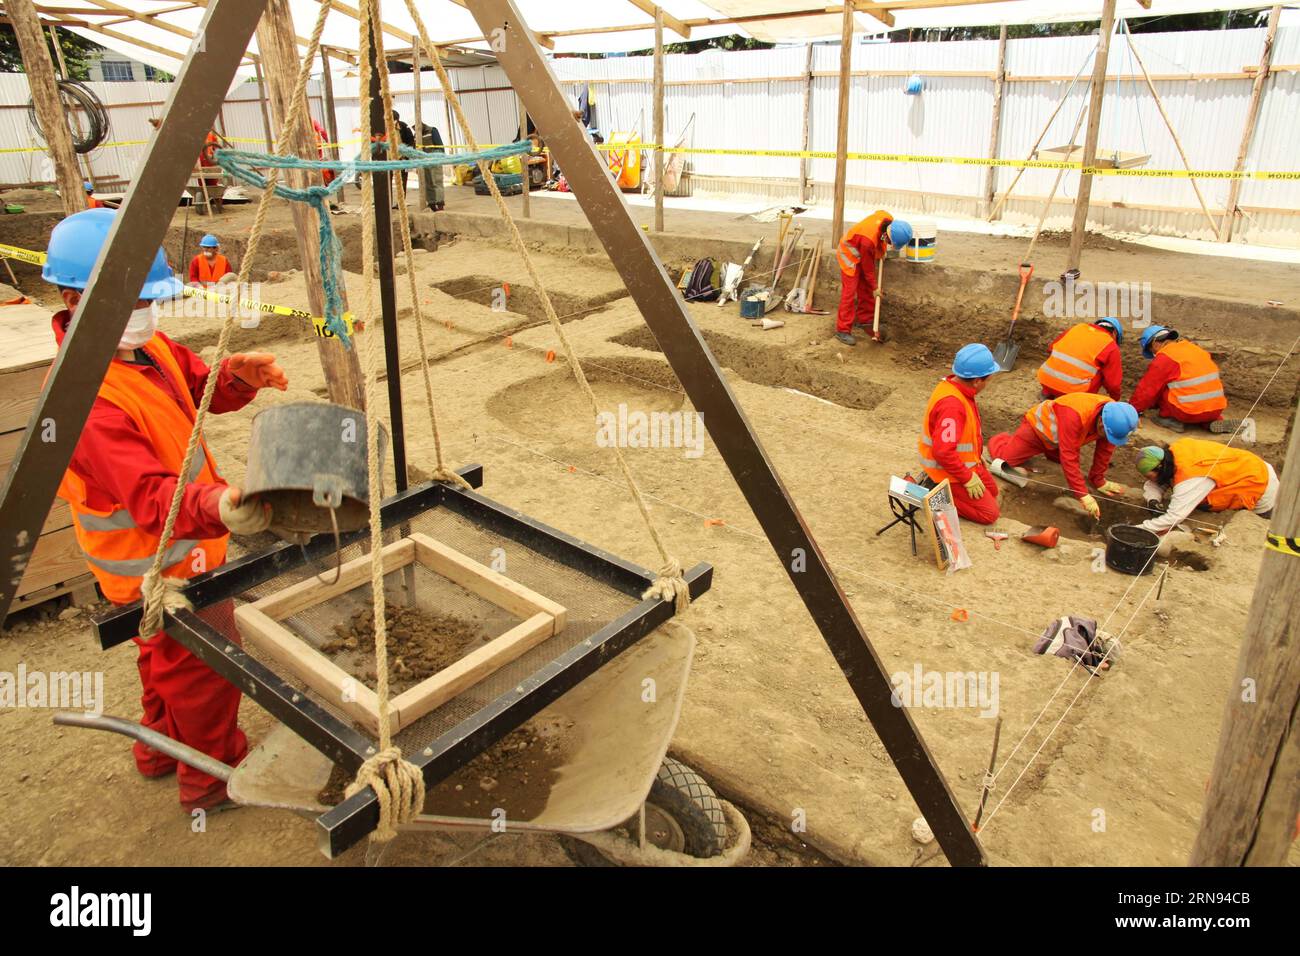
523,131
420,178
49,106
1248,131
805,164
1098,90
331,118
993,759
261,102
842,132
1253,796
995,133
278,46
1172,132
659,118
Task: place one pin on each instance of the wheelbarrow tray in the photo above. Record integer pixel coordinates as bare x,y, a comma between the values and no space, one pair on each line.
618,725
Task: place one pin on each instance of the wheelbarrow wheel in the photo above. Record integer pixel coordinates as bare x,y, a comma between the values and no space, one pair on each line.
683,813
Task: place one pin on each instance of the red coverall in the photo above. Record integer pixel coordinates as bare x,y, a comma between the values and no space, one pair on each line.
1110,374
322,138
948,418
183,698
858,288
1154,388
1025,443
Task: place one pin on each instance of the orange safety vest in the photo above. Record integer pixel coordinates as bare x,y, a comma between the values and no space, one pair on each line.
1042,417
1240,477
1198,388
1072,366
117,550
214,270
969,443
871,228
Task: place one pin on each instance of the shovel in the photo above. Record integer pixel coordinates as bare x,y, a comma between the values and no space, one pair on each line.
733,274
783,260
880,290
1007,350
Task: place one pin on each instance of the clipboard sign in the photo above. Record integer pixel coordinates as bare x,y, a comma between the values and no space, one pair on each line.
945,529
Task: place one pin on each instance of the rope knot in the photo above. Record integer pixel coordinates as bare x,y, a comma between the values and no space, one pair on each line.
159,595
670,585
443,473
399,786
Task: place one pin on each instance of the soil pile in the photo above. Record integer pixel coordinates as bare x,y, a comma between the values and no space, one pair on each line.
420,643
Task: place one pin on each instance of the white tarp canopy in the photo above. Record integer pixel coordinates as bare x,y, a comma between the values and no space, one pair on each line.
162,37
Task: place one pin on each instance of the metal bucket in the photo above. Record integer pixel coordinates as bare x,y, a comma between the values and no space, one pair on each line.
1130,549
307,460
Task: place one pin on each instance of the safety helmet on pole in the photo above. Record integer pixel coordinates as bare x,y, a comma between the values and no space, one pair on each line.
1118,421
900,233
1115,327
1153,334
74,247
209,242
974,361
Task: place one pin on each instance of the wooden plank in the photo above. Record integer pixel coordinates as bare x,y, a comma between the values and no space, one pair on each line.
842,129
337,686
82,590
26,339
60,515
456,678
18,393
56,558
658,113
354,573
483,581
1248,130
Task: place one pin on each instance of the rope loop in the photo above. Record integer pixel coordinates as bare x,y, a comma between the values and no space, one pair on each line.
398,785
670,585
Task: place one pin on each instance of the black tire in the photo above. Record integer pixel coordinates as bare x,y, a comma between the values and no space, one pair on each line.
687,798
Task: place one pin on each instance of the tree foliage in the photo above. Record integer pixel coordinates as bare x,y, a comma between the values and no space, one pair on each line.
76,50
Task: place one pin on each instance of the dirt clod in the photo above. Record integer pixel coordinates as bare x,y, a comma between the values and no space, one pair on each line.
420,643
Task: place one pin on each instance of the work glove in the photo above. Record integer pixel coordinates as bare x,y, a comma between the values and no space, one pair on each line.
258,369
248,516
1111,488
1090,505
975,487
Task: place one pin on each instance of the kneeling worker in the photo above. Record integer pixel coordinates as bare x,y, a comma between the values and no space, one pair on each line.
860,250
1085,358
209,266
119,486
952,435
1201,473
1182,383
1059,428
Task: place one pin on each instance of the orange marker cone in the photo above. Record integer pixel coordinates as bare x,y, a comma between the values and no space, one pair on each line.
1047,537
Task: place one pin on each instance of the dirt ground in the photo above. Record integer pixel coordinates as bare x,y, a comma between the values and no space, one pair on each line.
1103,771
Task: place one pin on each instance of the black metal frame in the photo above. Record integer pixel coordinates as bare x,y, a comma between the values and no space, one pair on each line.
336,738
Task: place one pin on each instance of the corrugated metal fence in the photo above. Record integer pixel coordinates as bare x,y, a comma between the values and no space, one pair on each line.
767,100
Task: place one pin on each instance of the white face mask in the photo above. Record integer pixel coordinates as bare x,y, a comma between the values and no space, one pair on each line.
139,328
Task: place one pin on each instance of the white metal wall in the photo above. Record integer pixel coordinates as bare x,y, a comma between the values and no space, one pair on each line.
951,118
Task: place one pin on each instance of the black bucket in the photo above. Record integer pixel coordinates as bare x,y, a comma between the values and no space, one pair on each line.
307,460
1130,549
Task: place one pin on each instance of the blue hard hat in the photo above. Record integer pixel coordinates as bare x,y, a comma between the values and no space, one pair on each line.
900,233
1114,325
209,242
1151,334
1118,420
914,85
88,186
74,248
974,361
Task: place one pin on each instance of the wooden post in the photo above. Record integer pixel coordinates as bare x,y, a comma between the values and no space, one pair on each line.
523,131
331,118
63,72
278,45
805,164
659,118
1253,796
1090,141
49,106
261,102
995,134
1248,131
842,133
419,131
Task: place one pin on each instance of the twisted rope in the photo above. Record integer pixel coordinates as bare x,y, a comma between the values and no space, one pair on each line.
670,580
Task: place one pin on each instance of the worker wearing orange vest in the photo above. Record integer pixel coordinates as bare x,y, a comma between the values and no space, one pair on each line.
1182,384
859,251
1058,428
209,266
1084,358
1200,473
952,435
119,486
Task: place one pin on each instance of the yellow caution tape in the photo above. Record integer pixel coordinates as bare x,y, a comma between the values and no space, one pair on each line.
189,292
1277,542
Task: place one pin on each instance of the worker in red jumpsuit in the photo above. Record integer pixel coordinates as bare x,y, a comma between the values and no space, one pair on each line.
208,158
322,138
119,486
952,436
1058,428
1182,385
1085,358
859,251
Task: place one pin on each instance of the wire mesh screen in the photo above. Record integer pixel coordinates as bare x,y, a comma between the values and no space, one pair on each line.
590,605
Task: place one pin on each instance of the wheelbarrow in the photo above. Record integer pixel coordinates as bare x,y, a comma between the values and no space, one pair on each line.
616,797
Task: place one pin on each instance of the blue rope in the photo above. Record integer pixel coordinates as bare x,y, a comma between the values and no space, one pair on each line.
240,163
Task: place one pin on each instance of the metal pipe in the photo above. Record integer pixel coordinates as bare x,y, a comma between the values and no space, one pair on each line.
150,738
